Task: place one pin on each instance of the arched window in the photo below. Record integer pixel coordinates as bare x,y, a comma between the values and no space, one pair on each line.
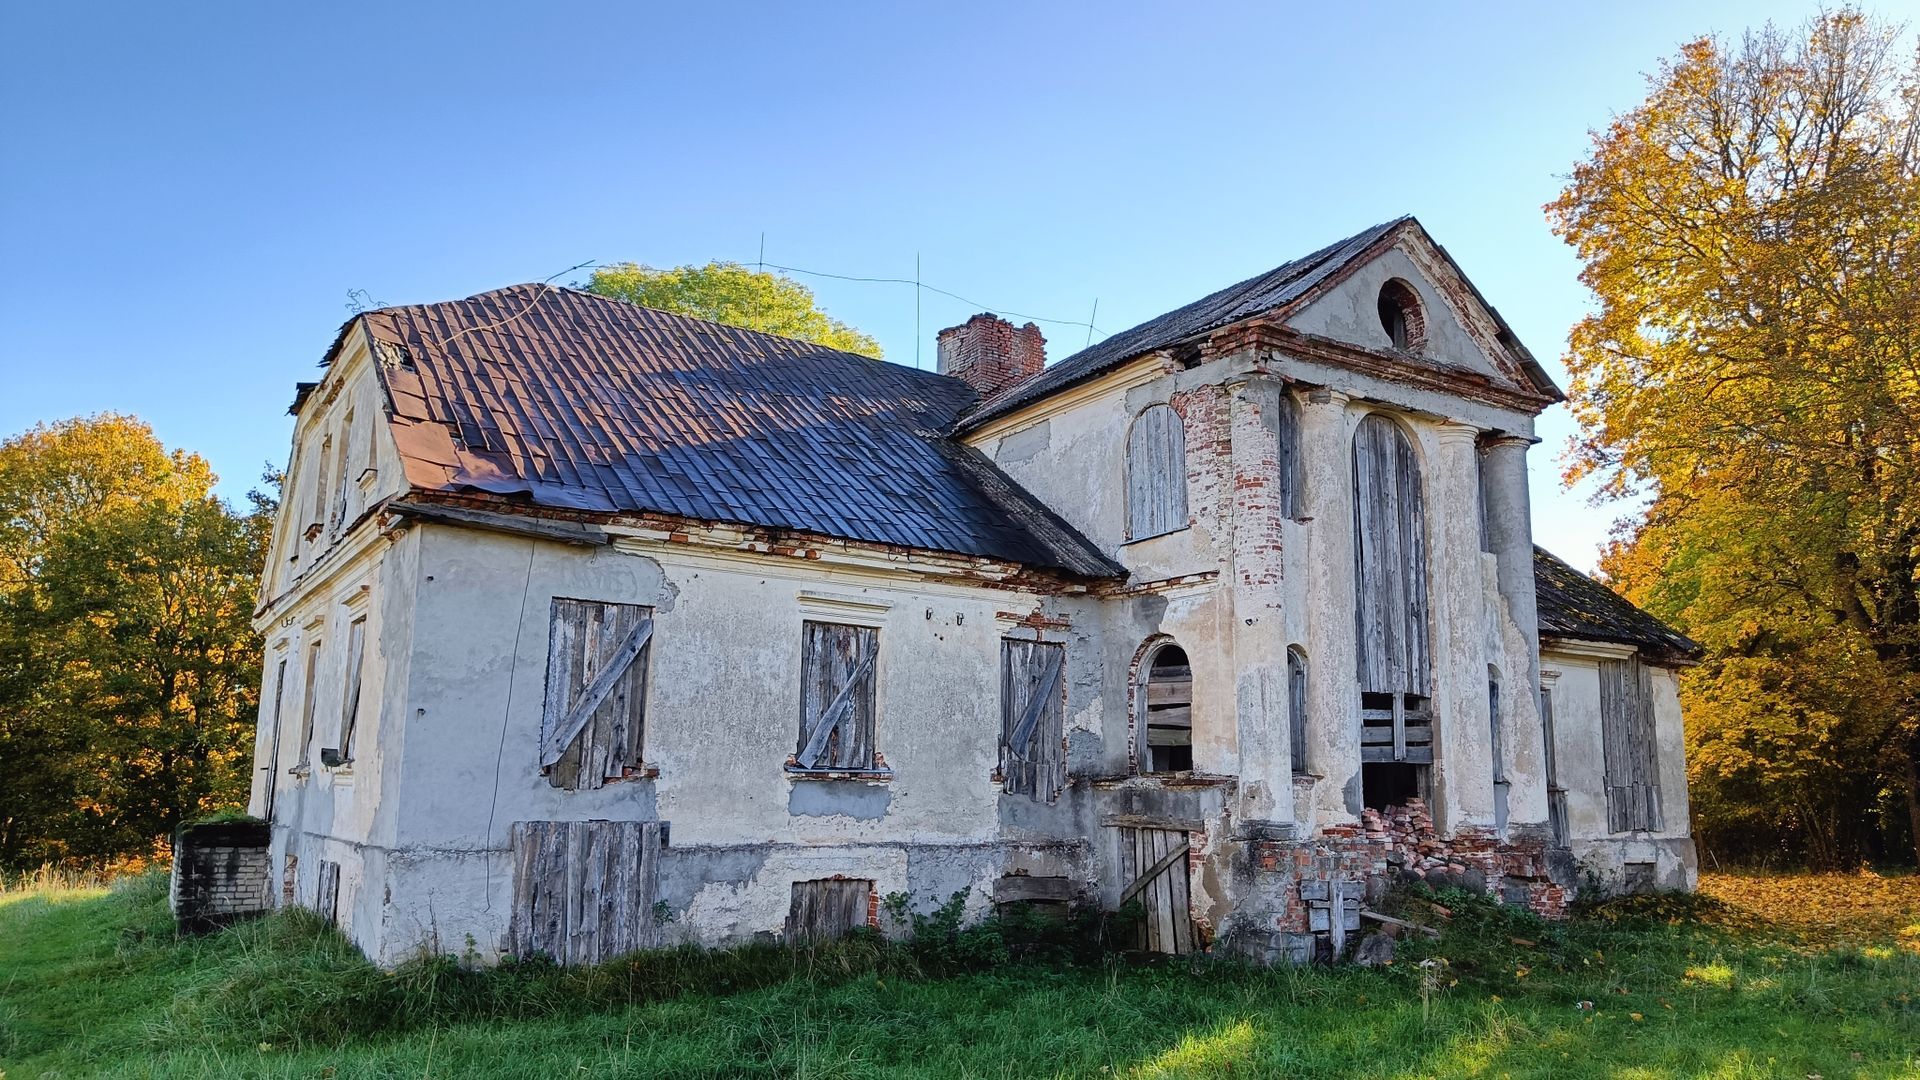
1156,474
1292,478
1497,745
1166,721
1401,316
1297,707
1394,666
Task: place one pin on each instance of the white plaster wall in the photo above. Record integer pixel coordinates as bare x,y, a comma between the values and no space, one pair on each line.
722,718
1579,752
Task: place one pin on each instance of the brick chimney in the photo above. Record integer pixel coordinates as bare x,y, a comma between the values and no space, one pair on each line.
990,354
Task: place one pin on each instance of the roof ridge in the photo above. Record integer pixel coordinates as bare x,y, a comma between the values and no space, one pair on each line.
568,289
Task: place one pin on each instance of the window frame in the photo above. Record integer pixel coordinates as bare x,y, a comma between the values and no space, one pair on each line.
1151,509
863,708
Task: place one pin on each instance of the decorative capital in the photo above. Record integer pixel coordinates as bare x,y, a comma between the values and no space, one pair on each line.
1454,433
1324,396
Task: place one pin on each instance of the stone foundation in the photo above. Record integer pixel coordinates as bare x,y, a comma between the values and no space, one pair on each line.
1304,896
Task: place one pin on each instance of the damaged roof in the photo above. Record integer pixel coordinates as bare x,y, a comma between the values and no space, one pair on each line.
564,399
1263,293
1573,605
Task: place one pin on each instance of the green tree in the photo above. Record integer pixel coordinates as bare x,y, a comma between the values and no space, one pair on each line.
1753,365
128,668
726,292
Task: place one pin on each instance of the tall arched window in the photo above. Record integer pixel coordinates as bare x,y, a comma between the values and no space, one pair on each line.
1166,718
1292,478
1395,670
1156,473
1297,707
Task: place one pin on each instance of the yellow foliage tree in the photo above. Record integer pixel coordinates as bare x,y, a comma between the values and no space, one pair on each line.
1752,235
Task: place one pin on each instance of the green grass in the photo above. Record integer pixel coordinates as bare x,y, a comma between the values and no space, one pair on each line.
92,983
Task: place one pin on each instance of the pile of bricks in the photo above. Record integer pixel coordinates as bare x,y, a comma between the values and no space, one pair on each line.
1401,844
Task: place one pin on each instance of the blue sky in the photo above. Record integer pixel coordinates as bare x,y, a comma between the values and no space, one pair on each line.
189,192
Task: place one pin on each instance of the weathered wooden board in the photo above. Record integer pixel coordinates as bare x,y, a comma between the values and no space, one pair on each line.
1292,475
1391,561
1153,868
1156,473
356,657
593,719
326,900
1628,746
583,891
837,696
828,909
1032,719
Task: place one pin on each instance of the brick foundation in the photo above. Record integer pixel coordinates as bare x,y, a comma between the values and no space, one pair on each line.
221,874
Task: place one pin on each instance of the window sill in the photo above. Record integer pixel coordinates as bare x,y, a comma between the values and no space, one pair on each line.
1132,540
871,776
302,771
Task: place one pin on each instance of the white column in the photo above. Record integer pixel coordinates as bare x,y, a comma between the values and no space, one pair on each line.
1510,535
1333,697
1463,736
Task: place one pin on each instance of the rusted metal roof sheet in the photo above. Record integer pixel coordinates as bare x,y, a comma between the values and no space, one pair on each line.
1573,605
564,399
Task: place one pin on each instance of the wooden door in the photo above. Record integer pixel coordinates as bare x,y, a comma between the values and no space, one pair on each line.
1153,866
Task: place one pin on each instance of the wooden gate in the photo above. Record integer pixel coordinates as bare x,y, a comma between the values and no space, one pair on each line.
1153,863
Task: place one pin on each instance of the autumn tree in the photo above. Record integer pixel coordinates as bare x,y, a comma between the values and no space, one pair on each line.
1751,233
727,292
128,665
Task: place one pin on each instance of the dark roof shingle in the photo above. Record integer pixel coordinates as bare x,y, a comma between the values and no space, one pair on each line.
1262,292
1573,605
578,402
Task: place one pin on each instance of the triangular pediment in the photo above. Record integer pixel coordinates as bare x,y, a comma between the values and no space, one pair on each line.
1458,333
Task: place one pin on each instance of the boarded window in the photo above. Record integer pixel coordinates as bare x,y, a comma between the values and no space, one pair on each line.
829,909
350,712
593,718
1556,794
1156,474
272,784
307,700
1498,747
321,463
1032,715
837,699
584,891
1627,738
326,899
1390,553
1292,470
1297,708
1168,717
339,516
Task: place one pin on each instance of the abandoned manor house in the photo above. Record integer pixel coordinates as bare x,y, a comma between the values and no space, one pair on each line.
592,628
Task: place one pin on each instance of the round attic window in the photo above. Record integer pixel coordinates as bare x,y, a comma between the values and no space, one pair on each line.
1400,315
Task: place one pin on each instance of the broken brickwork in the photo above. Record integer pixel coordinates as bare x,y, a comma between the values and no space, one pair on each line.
1386,849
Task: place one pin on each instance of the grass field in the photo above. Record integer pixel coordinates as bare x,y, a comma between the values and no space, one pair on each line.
1808,976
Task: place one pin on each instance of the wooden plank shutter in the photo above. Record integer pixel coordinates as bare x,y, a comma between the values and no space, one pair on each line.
837,696
828,909
1297,708
1629,748
1032,715
326,900
1156,473
1391,562
1154,864
584,891
350,716
1291,471
1646,758
595,709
